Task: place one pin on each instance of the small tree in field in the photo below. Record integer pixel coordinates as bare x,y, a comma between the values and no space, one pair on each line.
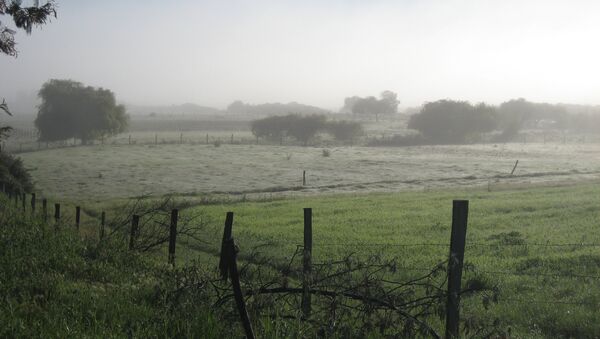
71,110
345,130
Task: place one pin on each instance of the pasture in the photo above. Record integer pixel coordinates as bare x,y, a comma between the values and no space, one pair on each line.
101,172
532,236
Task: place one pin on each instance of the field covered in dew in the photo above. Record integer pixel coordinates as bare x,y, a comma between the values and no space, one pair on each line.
100,172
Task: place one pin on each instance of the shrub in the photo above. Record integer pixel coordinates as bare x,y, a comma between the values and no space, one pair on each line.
13,175
344,130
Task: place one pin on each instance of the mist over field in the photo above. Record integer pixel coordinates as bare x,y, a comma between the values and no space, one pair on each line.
285,169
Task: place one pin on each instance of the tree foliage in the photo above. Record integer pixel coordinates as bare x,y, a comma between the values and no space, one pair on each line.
387,104
24,18
302,128
71,110
345,130
13,174
451,122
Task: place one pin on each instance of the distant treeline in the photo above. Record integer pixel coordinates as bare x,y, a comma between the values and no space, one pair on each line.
238,107
454,122
304,127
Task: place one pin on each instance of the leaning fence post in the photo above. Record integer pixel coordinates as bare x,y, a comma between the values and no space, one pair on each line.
102,223
57,213
231,261
135,220
77,216
226,236
460,211
32,203
307,263
45,210
173,236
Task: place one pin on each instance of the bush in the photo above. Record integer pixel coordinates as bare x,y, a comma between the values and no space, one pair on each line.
344,130
13,175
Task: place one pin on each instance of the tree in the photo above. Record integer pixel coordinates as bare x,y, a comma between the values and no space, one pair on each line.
71,110
388,104
302,128
344,130
451,122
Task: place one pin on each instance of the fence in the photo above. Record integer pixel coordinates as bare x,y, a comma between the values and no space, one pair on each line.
456,267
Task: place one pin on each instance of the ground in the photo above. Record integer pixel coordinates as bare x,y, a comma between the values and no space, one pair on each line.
107,171
534,235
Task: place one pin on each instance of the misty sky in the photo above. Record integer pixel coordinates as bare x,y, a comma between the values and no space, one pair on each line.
316,52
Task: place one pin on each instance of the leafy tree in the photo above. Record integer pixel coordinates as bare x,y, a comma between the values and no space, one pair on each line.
388,104
71,110
302,128
450,122
344,130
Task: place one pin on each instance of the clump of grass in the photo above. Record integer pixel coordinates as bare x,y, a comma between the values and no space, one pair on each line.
217,143
326,153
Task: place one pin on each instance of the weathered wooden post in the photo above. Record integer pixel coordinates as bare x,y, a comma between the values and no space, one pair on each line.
135,220
102,223
303,178
173,236
56,214
129,141
514,168
307,263
232,138
32,203
226,236
45,210
460,211
77,216
231,261
23,201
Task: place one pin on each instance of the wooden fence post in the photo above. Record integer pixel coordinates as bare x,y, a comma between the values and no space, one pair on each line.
102,223
303,178
45,210
307,263
23,199
155,139
129,141
173,236
231,261
56,213
32,203
460,211
135,220
514,168
77,216
226,236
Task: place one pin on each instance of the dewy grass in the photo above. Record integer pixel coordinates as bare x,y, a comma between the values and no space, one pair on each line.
95,173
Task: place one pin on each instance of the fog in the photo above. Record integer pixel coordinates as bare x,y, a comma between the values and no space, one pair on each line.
212,52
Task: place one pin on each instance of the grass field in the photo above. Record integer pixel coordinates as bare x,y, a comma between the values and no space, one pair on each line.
534,236
105,172
544,290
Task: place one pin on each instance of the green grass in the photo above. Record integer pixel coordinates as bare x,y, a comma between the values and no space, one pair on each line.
532,301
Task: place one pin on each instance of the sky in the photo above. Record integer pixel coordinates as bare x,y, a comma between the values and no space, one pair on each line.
315,52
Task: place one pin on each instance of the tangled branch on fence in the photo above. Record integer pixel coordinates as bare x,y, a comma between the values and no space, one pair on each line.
154,222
